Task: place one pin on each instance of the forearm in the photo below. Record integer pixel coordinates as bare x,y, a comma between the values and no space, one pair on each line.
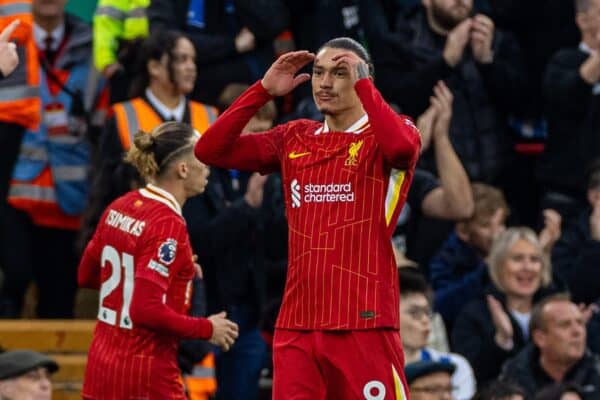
222,146
396,135
454,180
148,311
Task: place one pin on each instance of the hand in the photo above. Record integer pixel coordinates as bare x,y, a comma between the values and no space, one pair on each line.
482,34
587,312
595,221
425,127
504,328
456,42
551,232
358,68
245,41
110,70
255,190
442,102
224,331
9,59
280,79
197,267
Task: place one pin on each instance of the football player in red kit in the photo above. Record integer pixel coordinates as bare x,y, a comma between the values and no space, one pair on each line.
141,260
345,181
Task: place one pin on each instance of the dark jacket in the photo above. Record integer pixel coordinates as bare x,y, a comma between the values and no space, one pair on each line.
458,275
474,331
573,114
408,68
525,370
575,259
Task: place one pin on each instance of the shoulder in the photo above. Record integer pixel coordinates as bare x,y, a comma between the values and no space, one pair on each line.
567,57
300,125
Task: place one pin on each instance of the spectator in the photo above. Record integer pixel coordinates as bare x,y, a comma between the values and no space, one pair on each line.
415,328
233,38
558,352
481,65
459,272
25,374
429,380
498,390
560,391
572,89
577,253
50,180
119,26
492,328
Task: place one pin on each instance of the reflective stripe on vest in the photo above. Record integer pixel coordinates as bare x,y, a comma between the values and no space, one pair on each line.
21,92
137,115
34,153
70,173
112,12
139,12
11,9
33,192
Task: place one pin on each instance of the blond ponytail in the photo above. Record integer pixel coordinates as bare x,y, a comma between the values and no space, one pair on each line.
141,154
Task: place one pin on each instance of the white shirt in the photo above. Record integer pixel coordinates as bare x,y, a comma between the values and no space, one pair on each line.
166,112
40,35
586,49
523,321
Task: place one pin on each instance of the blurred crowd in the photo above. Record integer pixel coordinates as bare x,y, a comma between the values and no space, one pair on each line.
498,244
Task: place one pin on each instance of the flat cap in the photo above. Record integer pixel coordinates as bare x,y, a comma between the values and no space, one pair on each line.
18,362
418,369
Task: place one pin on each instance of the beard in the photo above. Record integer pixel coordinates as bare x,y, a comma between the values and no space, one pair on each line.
449,19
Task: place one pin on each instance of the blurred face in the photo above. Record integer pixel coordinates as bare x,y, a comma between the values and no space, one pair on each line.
437,386
589,23
415,321
34,385
570,396
563,339
522,270
196,179
332,85
48,8
183,65
449,13
482,232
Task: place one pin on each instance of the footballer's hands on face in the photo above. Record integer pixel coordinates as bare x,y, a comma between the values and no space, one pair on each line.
224,331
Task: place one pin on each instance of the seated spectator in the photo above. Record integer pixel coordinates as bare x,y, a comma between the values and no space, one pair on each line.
557,352
498,390
577,253
415,328
458,271
560,391
25,375
494,327
572,97
429,380
233,39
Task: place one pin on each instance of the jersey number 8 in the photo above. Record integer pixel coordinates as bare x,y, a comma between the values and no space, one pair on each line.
111,256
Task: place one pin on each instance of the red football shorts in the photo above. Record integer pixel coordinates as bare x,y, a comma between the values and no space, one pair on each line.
359,364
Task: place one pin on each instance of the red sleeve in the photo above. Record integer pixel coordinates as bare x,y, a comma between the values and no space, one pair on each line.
397,136
88,273
148,310
222,146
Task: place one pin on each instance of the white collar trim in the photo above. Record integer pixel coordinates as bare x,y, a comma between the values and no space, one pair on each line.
155,193
354,128
165,111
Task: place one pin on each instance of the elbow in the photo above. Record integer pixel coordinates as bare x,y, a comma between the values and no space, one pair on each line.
203,152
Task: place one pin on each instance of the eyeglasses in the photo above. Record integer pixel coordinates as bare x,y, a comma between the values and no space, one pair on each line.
420,312
434,389
37,375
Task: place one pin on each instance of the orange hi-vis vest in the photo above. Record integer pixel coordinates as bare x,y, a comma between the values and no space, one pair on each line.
19,92
137,115
201,384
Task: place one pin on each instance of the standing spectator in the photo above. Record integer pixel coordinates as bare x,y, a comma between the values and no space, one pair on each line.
140,258
459,272
492,328
118,27
233,38
576,255
558,352
415,328
50,181
572,96
19,89
25,375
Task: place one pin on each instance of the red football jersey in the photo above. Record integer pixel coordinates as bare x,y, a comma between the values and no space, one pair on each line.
141,259
343,191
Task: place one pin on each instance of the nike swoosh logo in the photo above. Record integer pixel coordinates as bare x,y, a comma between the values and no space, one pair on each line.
294,155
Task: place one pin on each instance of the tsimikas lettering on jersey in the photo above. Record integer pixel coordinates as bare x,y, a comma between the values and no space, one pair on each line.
329,193
125,223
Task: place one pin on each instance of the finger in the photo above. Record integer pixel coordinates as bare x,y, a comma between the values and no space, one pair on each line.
300,79
484,20
5,35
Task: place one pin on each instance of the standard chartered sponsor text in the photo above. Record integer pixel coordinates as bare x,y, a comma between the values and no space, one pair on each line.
328,193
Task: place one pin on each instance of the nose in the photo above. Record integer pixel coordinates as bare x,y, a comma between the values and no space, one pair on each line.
326,81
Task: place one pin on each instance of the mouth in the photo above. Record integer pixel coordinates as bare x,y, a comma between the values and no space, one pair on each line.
526,280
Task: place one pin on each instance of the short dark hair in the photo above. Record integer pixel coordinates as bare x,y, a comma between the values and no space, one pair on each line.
499,390
347,43
234,90
537,321
412,281
555,391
